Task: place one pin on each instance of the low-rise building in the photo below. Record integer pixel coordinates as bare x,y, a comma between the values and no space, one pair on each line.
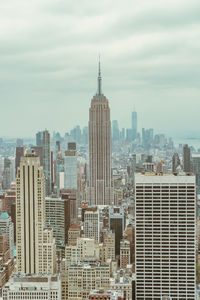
102,294
79,280
29,286
124,253
74,233
122,282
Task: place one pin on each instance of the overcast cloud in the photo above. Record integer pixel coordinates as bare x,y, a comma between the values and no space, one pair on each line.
49,50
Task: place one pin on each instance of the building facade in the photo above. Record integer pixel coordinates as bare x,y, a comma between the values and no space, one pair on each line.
70,167
30,217
100,189
165,236
43,140
186,159
91,224
79,280
7,228
31,287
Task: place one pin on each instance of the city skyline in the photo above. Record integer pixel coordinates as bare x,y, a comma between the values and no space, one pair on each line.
149,57
99,183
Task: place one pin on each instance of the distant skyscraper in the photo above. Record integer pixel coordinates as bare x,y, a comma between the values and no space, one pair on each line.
115,130
85,135
196,169
31,236
122,134
175,162
59,169
129,134
43,140
38,152
19,143
165,237
18,154
134,124
7,173
186,159
100,190
70,182
76,134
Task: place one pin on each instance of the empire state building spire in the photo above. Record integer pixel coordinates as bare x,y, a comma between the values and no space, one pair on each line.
99,80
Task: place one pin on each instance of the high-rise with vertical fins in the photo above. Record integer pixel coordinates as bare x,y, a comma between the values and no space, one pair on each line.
100,189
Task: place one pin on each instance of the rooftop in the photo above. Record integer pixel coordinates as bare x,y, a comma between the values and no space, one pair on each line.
164,178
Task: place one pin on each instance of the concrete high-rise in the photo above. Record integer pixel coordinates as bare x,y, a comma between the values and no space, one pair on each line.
31,234
165,250
43,140
100,190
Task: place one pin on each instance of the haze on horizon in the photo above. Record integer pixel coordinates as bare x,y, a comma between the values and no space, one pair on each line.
49,59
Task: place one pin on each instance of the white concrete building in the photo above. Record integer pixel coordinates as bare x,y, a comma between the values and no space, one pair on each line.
30,217
165,236
40,287
85,248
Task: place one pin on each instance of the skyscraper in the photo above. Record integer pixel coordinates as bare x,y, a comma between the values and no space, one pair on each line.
195,160
100,190
70,167
18,154
175,162
186,159
31,234
115,130
117,225
134,124
165,238
7,173
43,140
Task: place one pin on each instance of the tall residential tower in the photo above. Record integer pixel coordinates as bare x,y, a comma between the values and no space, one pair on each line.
35,244
100,190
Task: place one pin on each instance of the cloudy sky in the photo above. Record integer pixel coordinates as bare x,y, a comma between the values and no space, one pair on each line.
150,54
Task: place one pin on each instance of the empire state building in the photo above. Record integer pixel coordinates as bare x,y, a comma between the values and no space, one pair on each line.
100,189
